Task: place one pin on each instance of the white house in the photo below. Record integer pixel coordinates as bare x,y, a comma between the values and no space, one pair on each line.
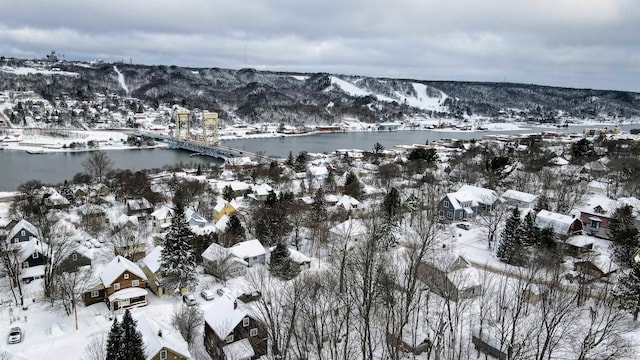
519,199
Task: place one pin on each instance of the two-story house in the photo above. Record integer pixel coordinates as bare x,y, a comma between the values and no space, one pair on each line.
162,218
598,212
76,258
467,202
32,255
122,284
230,332
23,231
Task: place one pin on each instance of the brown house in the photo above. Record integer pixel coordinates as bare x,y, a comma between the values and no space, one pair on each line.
232,333
122,284
451,278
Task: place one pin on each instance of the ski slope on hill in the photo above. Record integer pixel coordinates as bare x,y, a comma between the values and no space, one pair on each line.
422,101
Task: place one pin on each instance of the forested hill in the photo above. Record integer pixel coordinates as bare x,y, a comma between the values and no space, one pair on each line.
293,98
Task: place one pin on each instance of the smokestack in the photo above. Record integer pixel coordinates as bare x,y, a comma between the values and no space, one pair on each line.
235,304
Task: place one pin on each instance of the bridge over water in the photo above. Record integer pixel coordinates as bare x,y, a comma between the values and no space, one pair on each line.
217,151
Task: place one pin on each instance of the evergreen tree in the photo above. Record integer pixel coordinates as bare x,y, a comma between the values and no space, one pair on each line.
290,161
511,249
628,291
529,230
281,264
227,193
132,344
391,205
114,342
624,234
352,186
330,181
235,232
318,209
178,263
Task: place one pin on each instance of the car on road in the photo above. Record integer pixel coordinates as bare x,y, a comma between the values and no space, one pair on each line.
189,299
249,297
207,294
463,226
15,335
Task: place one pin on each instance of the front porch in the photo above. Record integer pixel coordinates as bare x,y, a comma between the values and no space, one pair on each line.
127,298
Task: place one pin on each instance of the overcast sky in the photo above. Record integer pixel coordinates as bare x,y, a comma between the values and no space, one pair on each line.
574,43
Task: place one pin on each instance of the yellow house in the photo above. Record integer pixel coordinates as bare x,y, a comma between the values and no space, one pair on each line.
151,268
224,207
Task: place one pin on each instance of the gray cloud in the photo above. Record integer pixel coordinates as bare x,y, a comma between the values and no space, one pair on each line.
575,43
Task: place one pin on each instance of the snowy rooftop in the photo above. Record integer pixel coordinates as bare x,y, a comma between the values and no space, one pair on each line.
170,339
116,267
22,225
152,260
347,202
246,249
350,228
215,252
164,212
295,256
519,196
223,315
559,222
238,350
482,195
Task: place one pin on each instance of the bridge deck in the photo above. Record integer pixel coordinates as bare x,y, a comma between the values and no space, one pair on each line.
202,148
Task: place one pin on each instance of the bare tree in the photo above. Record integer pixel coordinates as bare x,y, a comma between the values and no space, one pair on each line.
69,288
96,349
97,165
492,220
187,319
277,308
129,240
9,255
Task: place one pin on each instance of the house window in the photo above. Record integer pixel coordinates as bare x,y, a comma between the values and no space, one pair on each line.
35,255
25,265
94,294
245,322
126,276
116,286
163,355
449,216
135,283
229,339
74,257
253,332
445,204
22,233
595,224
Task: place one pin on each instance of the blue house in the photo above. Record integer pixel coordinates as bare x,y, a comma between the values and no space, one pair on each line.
467,202
23,231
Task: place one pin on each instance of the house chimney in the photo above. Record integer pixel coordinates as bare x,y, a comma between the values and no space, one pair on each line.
118,258
235,304
160,333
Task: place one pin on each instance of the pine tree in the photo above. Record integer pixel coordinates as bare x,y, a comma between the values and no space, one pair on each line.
511,249
114,342
132,344
529,230
625,235
628,291
227,193
235,232
281,264
318,208
178,263
352,186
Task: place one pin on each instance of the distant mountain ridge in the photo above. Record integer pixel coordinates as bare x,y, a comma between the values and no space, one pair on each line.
296,98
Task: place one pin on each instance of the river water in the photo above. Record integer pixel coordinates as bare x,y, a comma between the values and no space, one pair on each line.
17,167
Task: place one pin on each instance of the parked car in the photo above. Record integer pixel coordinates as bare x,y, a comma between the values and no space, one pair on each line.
15,335
220,291
249,297
207,294
189,299
463,226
